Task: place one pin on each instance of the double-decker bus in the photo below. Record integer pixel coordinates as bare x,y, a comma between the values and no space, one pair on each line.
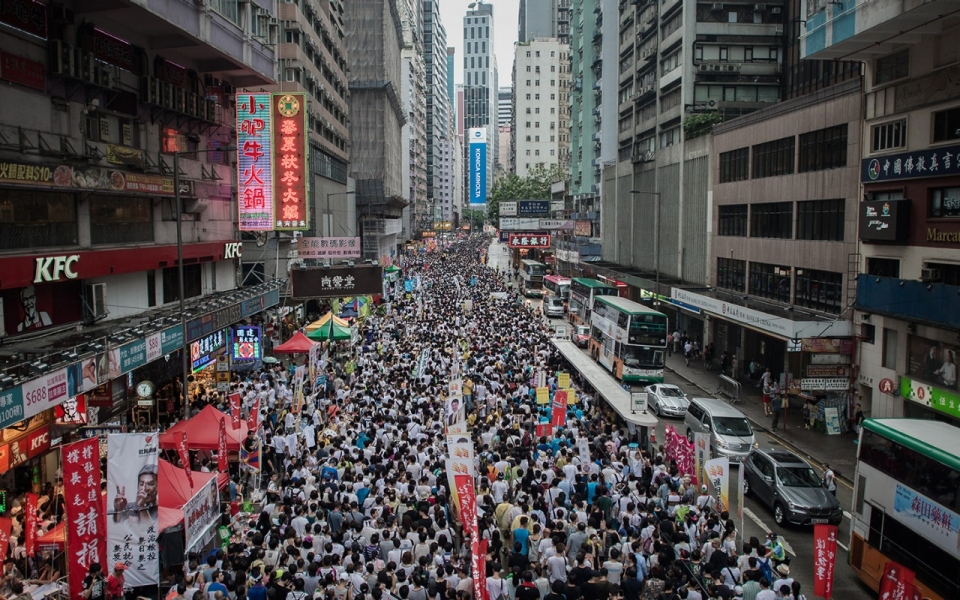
907,504
628,338
531,278
557,285
582,292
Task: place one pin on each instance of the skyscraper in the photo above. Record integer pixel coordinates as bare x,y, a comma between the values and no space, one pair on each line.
480,78
438,125
540,116
544,19
504,105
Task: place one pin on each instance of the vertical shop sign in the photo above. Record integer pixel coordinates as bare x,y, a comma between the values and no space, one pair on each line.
290,161
86,541
254,162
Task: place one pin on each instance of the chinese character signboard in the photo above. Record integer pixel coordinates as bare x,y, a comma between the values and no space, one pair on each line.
289,164
339,282
824,557
132,508
519,240
246,343
29,16
24,71
201,351
936,162
533,208
328,247
201,512
254,162
86,535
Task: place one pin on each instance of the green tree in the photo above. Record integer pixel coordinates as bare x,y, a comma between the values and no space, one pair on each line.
535,186
474,216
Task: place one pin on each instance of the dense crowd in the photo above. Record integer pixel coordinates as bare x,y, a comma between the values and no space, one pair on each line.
357,507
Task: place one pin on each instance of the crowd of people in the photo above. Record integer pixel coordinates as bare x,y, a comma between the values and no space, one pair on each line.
356,502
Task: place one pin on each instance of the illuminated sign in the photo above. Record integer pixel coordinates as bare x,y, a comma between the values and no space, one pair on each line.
289,163
478,165
521,240
201,351
254,162
246,343
26,15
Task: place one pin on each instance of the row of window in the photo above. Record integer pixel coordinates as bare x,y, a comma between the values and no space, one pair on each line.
821,220
810,288
819,150
893,134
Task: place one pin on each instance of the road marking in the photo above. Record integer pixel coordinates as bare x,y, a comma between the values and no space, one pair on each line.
753,517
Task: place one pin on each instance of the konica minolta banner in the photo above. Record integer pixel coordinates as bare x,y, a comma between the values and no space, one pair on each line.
478,165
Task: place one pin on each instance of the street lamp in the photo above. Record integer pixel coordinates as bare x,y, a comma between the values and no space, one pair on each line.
656,300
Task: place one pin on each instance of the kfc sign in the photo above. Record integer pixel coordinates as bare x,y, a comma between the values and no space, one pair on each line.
55,268
29,446
232,250
518,240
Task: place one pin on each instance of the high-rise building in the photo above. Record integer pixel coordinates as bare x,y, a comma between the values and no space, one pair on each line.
504,106
544,19
480,79
452,80
420,215
439,116
541,81
504,156
374,40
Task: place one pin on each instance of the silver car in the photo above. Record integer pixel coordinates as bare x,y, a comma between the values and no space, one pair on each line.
667,400
790,487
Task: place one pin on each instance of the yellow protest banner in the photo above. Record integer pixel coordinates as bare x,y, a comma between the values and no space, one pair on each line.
543,395
563,381
571,396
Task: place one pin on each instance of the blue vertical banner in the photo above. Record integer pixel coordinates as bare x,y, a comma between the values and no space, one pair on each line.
478,165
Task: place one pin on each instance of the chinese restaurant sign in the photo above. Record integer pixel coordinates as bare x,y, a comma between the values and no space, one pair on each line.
517,240
289,164
338,282
254,162
342,247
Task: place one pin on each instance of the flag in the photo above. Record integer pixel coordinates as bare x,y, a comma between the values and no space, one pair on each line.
235,410
184,452
253,419
558,416
824,557
222,447
896,578
5,525
468,503
718,478
31,523
86,527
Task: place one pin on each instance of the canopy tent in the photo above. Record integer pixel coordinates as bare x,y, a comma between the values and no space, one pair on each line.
203,431
330,331
392,269
323,321
173,492
297,344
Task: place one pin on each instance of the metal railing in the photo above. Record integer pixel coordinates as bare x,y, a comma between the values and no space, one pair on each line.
731,388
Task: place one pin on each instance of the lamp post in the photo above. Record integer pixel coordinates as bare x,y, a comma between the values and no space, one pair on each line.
656,300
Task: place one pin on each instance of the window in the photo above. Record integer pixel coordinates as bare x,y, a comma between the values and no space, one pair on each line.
30,219
733,220
890,68
820,220
152,287
670,137
732,274
887,136
770,281
771,220
868,333
945,202
735,165
946,125
889,348
773,158
120,220
883,267
823,149
191,283
819,290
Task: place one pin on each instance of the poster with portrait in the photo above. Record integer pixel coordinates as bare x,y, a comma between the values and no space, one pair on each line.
73,411
453,410
132,509
37,307
932,362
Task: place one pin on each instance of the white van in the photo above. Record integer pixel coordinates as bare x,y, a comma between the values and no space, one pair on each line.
729,430
553,306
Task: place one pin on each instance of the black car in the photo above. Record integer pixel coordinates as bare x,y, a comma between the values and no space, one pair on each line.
790,487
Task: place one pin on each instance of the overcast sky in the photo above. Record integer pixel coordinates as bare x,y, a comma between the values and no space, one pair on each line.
505,15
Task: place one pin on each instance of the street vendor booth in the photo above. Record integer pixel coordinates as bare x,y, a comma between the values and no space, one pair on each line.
329,328
297,344
203,432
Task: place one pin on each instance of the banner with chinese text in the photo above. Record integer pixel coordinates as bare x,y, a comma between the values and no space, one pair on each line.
700,454
132,509
824,557
558,415
30,524
84,512
328,247
254,162
201,512
718,478
291,210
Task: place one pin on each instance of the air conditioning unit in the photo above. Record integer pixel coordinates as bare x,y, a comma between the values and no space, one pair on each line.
192,103
195,206
85,65
759,7
930,275
649,156
775,10
95,300
180,100
734,68
166,94
201,108
705,67
103,76
211,110
711,103
717,6
62,61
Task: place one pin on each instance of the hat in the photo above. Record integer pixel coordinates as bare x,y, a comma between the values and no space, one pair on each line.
783,569
703,489
120,567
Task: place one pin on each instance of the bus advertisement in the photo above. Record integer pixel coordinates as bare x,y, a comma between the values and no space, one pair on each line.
582,292
557,285
629,339
907,504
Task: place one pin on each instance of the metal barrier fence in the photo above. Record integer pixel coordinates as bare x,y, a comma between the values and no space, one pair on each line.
731,388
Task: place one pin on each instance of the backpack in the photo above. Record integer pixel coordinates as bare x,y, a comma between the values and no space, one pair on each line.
765,568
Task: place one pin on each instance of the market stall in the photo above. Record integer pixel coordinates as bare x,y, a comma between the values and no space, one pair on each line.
203,431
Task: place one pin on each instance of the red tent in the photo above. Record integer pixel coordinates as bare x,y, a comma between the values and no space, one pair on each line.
298,344
203,432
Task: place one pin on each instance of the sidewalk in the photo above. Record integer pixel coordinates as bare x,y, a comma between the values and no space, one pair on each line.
838,450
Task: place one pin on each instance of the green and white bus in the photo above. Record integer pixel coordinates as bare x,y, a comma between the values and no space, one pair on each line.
628,338
906,504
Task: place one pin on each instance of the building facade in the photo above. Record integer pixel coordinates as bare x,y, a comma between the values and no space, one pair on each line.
439,114
480,87
541,101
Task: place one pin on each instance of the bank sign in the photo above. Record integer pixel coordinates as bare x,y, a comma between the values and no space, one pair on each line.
478,165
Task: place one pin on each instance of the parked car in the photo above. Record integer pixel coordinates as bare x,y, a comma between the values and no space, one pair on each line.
553,306
581,336
667,400
790,487
730,432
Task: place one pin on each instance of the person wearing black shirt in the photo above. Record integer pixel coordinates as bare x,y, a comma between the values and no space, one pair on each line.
572,588
630,586
557,589
527,590
518,560
592,590
95,584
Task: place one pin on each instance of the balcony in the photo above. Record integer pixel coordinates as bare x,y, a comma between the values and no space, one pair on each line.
855,30
930,303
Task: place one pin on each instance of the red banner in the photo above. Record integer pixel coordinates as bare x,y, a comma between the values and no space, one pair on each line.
184,452
30,524
222,447
824,558
5,525
235,410
558,416
478,567
253,419
897,581
86,528
468,502
544,430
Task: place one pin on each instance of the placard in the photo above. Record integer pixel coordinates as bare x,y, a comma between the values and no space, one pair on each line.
638,402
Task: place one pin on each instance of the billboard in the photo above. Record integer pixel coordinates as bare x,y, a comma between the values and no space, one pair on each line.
478,165
328,247
521,240
246,343
337,282
254,162
289,161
